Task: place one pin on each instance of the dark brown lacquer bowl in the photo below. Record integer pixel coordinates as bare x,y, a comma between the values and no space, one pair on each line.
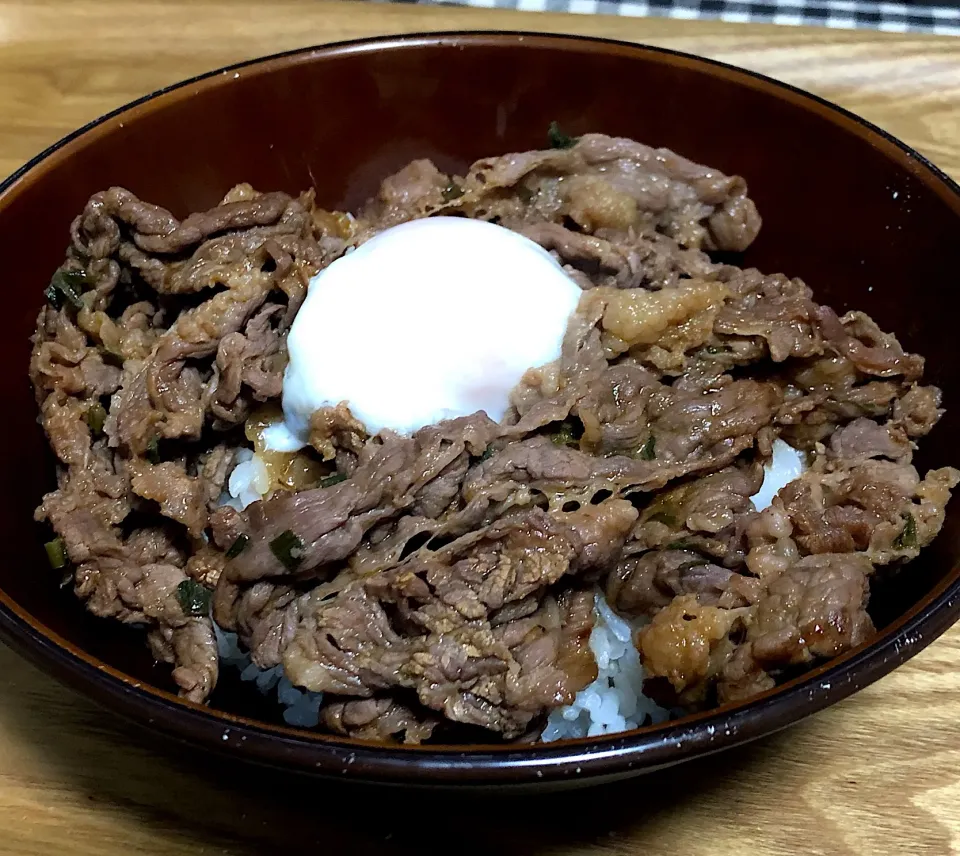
867,222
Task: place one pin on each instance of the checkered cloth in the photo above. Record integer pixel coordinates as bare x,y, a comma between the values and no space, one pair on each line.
843,14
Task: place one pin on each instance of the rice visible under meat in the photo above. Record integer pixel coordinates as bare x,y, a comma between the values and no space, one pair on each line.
615,700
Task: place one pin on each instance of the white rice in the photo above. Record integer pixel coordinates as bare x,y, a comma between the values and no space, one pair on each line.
785,465
615,700
248,482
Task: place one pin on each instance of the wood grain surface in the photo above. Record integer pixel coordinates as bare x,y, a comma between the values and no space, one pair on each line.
877,774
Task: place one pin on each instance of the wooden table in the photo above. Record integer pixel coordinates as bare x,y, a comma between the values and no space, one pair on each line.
878,774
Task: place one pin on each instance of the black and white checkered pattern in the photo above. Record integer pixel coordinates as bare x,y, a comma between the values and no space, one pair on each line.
843,14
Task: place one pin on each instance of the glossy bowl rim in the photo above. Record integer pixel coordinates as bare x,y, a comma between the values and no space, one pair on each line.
643,749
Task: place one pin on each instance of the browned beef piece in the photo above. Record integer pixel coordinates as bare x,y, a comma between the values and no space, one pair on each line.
615,184
64,361
672,434
254,358
818,608
415,191
781,312
815,610
918,410
645,584
687,643
708,514
863,439
860,340
648,261
878,507
264,245
829,391
384,720
157,393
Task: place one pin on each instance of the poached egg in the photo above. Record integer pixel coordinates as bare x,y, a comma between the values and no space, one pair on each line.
429,320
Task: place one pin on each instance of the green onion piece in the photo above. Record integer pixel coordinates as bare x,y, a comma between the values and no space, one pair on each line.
330,481
56,553
564,435
238,546
451,191
558,139
679,545
908,536
66,285
152,453
525,194
487,453
95,417
648,451
194,598
111,358
288,549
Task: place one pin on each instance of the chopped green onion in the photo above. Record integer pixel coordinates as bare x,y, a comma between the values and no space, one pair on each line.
288,549
152,453
908,537
487,453
66,285
330,481
56,553
648,451
95,417
558,139
682,544
238,546
564,435
193,597
451,191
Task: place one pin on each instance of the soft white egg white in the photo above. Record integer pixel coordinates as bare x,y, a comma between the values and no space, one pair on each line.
429,320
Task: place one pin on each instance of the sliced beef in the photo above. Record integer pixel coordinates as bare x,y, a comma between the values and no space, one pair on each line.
645,584
878,507
815,610
383,720
687,643
613,184
708,514
426,625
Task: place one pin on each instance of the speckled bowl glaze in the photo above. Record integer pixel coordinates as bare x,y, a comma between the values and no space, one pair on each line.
863,219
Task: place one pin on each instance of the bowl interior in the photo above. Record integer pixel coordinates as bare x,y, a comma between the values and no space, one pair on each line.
864,223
